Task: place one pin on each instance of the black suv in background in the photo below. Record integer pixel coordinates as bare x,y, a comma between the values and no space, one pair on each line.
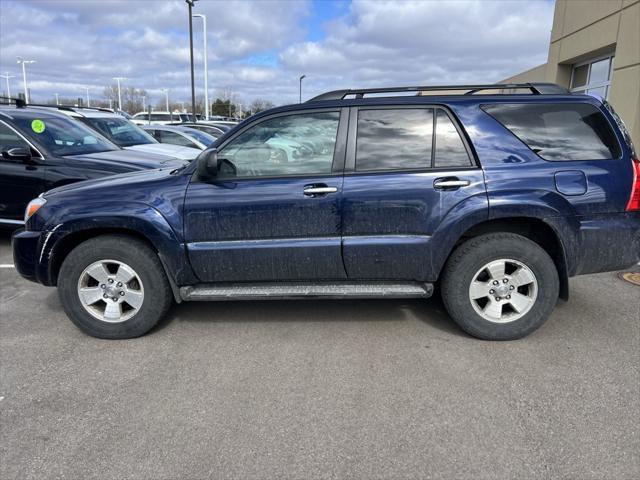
40,150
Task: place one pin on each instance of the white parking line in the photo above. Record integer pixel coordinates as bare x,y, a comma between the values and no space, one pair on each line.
7,265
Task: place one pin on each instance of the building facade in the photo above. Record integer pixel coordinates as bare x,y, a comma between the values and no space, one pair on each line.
595,48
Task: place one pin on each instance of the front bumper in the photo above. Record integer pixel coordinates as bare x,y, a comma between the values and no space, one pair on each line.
26,250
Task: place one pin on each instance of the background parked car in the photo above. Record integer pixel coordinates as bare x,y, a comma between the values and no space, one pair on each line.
124,133
178,135
43,149
212,130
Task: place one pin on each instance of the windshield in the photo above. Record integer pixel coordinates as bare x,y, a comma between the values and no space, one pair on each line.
202,137
63,136
120,131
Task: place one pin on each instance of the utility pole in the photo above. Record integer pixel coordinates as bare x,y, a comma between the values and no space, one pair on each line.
302,77
193,85
7,77
87,89
117,79
144,102
24,76
206,72
166,97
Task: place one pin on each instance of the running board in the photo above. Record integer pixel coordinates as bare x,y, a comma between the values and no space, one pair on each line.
282,290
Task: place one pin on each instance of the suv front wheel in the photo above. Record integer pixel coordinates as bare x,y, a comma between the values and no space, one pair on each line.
500,286
114,287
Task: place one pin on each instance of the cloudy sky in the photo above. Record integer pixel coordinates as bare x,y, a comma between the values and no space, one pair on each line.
260,48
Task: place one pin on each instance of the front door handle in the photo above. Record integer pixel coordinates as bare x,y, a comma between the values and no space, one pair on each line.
313,190
444,183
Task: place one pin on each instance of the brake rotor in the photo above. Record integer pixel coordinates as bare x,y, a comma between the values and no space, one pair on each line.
631,277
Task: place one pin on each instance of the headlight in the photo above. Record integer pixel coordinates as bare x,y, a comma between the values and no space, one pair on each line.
33,207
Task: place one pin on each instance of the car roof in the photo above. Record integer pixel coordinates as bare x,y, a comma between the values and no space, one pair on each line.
12,112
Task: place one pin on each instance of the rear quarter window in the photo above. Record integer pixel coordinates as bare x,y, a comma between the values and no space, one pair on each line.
559,132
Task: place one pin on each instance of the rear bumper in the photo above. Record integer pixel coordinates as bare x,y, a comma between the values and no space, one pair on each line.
26,246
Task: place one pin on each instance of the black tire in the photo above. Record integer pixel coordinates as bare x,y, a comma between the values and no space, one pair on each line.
470,257
146,264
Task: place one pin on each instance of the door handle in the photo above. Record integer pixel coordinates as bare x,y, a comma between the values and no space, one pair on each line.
450,183
319,190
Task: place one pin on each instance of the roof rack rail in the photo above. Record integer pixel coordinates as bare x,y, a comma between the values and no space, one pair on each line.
534,88
19,103
70,107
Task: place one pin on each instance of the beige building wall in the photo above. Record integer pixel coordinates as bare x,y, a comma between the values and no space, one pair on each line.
587,29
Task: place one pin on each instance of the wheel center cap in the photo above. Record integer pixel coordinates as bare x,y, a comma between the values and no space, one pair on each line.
502,290
111,291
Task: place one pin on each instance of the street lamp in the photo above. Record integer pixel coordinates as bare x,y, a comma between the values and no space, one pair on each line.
301,78
24,76
87,89
206,75
117,79
144,103
57,99
7,77
166,94
193,85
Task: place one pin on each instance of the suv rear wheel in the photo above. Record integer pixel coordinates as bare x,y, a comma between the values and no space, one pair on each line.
500,286
114,287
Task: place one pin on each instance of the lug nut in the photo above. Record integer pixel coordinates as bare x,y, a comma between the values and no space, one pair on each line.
512,287
496,282
111,280
114,299
119,284
103,286
122,294
104,296
492,291
497,299
508,297
505,280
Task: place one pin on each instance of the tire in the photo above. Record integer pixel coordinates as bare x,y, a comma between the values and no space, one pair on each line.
523,298
141,301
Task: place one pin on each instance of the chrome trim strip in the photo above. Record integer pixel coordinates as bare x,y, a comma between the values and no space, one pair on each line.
11,222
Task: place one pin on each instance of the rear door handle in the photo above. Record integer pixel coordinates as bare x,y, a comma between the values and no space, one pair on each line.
450,183
312,190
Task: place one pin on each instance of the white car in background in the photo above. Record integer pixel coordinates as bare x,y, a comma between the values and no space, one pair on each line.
125,134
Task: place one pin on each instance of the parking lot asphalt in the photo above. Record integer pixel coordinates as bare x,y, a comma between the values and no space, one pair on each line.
320,389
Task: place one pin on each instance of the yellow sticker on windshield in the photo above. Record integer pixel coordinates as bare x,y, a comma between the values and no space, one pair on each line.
37,125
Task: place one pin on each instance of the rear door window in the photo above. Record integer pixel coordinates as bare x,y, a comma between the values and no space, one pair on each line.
559,132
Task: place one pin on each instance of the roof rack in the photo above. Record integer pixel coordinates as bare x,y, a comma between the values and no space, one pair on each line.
19,103
71,107
534,88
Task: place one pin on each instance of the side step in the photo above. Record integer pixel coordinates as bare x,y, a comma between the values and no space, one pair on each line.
289,290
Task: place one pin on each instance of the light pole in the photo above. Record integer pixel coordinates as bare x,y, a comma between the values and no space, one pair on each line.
24,76
166,97
206,73
300,96
87,89
57,99
193,85
7,77
117,79
144,102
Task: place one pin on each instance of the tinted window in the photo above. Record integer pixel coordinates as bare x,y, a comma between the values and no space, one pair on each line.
288,145
120,131
175,139
450,150
10,139
63,136
202,137
394,139
559,132
160,117
141,116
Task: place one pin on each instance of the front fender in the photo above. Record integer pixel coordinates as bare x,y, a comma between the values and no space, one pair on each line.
137,218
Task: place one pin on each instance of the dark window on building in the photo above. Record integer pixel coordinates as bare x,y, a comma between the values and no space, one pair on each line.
394,139
450,150
559,131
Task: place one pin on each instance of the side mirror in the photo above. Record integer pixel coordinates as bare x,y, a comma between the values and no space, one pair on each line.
19,154
208,164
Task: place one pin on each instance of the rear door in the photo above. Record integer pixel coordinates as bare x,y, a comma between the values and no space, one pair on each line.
273,212
406,169
20,182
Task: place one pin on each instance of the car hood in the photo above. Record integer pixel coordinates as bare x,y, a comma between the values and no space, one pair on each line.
176,151
114,182
129,157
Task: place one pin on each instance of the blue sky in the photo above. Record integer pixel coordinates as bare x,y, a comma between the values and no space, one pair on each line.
258,49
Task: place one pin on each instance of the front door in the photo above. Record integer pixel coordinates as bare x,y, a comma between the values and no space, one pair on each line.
406,170
20,182
273,212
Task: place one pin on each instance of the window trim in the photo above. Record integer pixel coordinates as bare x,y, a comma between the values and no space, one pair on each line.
40,156
606,117
588,86
350,166
337,164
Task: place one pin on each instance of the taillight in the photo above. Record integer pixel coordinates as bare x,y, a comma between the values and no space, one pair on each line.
634,200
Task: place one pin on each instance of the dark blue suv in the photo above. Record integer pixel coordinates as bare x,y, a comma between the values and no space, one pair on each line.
498,194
